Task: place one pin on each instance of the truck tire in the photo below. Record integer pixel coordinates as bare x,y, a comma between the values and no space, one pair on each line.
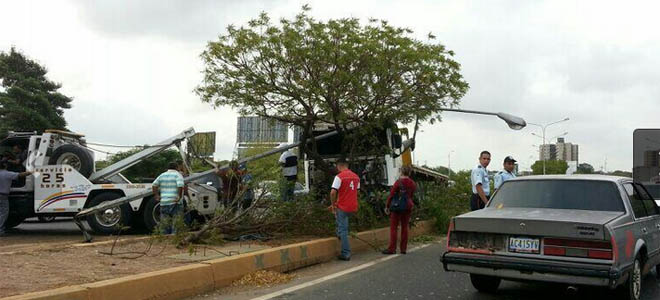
485,284
75,156
151,214
111,220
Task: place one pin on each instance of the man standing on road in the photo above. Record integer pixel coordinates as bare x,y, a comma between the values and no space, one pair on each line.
168,189
480,183
289,162
6,177
343,199
507,173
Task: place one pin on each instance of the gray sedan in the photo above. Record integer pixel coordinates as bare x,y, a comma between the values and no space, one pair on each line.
577,230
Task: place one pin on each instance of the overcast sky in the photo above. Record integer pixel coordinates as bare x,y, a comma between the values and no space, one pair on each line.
131,67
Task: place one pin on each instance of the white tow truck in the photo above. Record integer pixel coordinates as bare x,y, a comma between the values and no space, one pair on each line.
65,182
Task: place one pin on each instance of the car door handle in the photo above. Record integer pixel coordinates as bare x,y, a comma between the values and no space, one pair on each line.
657,225
644,230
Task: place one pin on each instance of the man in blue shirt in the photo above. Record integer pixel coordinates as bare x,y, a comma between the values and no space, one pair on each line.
507,173
168,189
480,182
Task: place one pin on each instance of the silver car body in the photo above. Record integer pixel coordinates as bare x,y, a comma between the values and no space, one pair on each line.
478,242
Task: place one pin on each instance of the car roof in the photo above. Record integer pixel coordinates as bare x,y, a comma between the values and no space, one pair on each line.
596,177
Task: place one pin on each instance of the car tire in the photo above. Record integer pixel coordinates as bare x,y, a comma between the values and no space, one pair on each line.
111,220
485,284
75,156
632,289
151,214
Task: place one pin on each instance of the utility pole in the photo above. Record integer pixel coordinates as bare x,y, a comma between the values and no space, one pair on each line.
543,127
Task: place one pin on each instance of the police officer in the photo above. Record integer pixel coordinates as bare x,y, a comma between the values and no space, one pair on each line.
480,182
507,173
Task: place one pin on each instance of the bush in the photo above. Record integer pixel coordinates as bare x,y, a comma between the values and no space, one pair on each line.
440,202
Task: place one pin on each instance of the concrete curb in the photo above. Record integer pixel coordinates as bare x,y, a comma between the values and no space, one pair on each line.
193,279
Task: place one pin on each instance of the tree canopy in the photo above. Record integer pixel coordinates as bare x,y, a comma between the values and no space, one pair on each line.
551,167
28,100
302,71
585,168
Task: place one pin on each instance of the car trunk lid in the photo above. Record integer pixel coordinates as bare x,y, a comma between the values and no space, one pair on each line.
578,224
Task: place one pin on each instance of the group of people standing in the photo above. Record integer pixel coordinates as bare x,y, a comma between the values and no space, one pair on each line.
481,182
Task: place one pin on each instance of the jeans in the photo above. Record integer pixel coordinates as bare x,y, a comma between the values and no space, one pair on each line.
168,216
395,219
4,212
342,232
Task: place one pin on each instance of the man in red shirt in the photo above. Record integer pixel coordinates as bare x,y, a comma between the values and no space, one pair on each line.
343,197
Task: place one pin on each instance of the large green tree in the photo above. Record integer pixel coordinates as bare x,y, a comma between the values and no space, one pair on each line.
341,71
28,100
551,167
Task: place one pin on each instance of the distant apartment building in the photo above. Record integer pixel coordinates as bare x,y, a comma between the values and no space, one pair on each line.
559,151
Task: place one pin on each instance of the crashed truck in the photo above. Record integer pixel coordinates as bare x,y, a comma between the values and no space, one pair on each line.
66,182
379,170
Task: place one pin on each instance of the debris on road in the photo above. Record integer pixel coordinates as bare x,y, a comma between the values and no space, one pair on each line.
264,278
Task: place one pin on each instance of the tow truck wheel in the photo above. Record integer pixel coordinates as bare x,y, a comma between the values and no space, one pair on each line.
485,284
151,214
110,220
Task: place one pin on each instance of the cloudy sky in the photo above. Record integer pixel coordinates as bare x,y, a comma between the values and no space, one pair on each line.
131,67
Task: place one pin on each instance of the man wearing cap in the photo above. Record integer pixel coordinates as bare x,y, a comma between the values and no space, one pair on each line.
507,173
480,182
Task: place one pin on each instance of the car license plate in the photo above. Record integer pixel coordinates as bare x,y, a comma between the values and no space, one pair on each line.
524,245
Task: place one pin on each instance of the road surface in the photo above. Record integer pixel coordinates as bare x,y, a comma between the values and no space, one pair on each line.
417,275
33,234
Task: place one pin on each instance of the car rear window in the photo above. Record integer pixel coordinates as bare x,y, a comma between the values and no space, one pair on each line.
559,194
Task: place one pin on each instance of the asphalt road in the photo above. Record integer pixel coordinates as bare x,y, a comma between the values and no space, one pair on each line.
417,275
32,233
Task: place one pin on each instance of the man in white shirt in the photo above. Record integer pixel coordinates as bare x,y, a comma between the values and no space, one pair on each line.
289,162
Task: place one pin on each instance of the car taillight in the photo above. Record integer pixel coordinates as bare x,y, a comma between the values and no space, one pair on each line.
449,230
577,248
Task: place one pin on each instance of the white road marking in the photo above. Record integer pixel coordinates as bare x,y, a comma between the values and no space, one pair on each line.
335,275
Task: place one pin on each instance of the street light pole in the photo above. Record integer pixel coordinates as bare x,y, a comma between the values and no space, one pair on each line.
514,122
449,164
543,127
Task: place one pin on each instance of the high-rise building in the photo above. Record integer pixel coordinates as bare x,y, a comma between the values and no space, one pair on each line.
548,152
559,151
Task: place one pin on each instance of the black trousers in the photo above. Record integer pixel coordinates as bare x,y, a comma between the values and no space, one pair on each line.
476,203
